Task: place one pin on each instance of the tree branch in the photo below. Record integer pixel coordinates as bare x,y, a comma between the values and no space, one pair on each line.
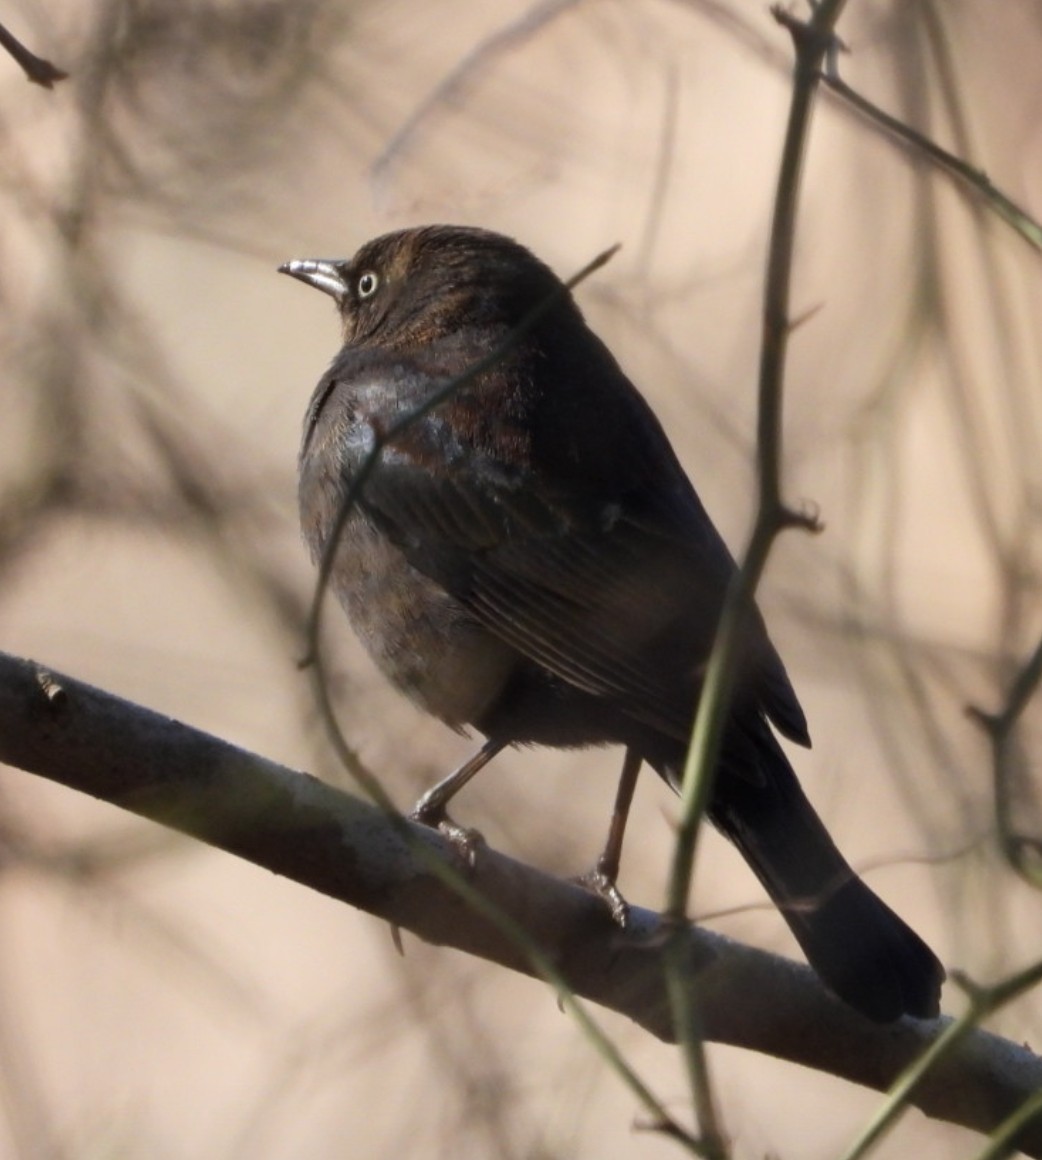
295,825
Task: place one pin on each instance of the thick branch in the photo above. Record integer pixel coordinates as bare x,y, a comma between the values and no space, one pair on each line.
297,826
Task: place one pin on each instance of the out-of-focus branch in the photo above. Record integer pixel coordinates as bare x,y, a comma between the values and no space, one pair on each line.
813,41
983,1001
746,30
481,56
36,69
294,825
1024,852
975,180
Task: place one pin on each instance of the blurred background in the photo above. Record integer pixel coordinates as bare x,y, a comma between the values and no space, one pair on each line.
162,1000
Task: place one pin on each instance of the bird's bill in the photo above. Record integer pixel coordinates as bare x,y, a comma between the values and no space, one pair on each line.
325,274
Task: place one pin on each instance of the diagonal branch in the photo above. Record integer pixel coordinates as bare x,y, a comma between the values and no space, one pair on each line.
296,826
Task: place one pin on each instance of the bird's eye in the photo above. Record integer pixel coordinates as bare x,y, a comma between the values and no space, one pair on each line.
367,284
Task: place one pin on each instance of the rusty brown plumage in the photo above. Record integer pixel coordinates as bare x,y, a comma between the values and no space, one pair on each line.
529,559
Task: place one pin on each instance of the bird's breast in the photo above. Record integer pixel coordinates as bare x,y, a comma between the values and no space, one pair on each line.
421,637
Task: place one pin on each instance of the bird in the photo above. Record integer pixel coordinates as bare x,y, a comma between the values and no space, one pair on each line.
520,551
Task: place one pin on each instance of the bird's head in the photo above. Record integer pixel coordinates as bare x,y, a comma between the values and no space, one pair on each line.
415,285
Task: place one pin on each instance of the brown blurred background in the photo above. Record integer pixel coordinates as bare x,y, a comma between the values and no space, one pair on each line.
159,999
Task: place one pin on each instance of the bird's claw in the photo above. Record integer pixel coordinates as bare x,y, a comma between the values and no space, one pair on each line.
601,884
464,841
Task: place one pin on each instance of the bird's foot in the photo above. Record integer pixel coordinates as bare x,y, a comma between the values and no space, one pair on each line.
603,885
464,841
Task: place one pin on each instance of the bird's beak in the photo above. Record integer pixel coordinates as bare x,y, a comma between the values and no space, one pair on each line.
324,274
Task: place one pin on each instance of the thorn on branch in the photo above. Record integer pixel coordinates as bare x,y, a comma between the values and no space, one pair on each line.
991,723
808,38
673,1131
801,31
808,518
806,316
640,1125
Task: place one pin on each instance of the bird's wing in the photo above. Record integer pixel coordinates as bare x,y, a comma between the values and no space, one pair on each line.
619,597
586,604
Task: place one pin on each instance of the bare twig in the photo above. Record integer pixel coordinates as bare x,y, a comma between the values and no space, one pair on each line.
969,177
813,41
451,86
983,1001
1023,852
36,69
746,31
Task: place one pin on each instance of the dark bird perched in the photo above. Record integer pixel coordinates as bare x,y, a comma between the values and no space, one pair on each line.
528,558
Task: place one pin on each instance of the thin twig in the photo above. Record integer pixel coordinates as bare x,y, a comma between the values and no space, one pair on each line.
744,31
1022,853
448,89
983,1002
976,180
1004,1140
812,42
36,69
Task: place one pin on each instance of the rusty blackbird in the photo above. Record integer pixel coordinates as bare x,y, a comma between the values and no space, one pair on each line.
529,559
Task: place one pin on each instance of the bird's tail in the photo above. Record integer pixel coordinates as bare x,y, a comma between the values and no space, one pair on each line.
856,944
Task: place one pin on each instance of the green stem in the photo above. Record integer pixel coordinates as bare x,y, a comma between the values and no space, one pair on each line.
982,1004
813,41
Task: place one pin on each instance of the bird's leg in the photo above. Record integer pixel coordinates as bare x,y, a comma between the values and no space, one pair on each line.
601,879
430,809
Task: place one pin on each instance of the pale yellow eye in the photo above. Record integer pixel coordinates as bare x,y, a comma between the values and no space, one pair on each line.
368,283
